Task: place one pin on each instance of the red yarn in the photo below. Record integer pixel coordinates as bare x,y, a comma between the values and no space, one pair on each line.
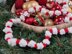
10,21
7,39
51,30
8,32
47,37
17,41
8,27
35,46
66,30
44,45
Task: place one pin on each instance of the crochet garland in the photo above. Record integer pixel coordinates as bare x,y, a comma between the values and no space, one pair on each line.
23,43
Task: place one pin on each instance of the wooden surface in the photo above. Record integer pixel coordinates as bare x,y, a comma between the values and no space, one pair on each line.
39,29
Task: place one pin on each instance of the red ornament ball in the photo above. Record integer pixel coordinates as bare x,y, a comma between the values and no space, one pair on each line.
29,20
18,12
35,23
59,20
58,7
53,9
42,2
18,4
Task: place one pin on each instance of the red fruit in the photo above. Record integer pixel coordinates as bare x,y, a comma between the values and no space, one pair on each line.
18,4
18,12
59,20
42,2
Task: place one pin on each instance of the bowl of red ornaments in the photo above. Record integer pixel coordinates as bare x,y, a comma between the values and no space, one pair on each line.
39,15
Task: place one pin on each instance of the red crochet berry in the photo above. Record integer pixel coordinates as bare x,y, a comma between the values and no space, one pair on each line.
18,12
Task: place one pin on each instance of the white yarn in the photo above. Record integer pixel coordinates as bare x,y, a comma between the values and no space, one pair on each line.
51,13
59,1
43,11
70,29
55,31
31,43
65,6
12,42
64,11
31,10
69,15
37,8
22,17
26,14
48,33
8,36
6,29
18,20
62,32
66,19
46,41
23,43
57,12
66,1
40,46
9,24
